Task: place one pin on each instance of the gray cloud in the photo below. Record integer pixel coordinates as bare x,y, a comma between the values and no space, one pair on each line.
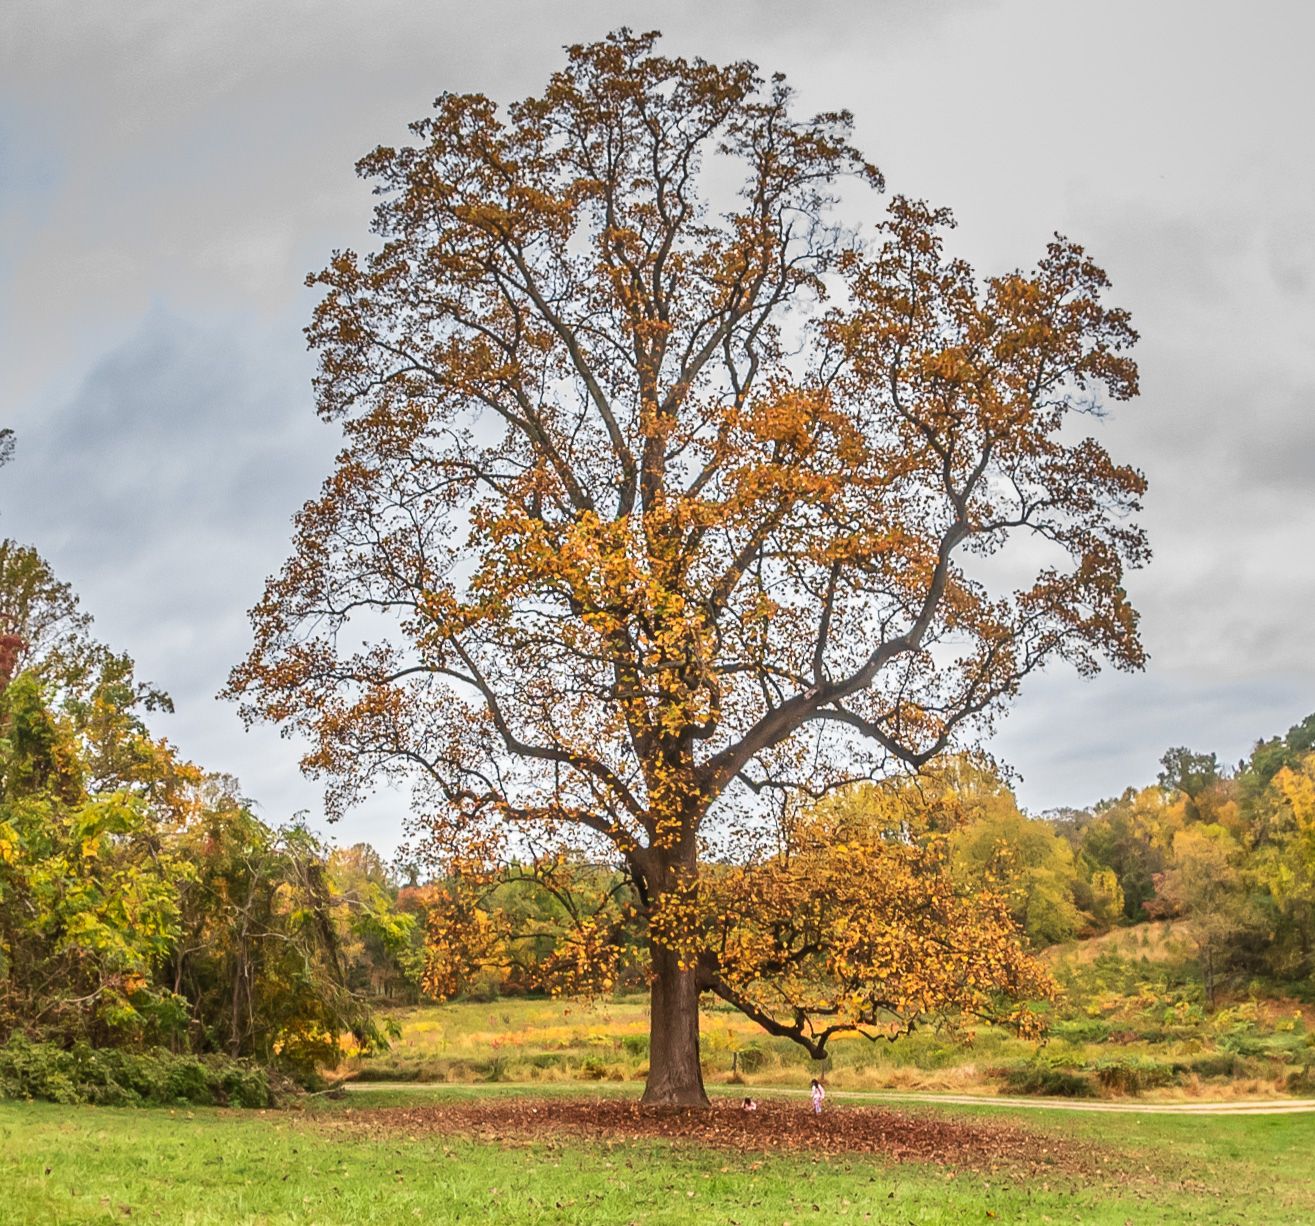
1282,460
169,172
1076,744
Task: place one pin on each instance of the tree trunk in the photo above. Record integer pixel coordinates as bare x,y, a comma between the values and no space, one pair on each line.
675,1078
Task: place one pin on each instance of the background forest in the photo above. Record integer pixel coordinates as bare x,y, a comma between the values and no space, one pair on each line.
160,940
143,904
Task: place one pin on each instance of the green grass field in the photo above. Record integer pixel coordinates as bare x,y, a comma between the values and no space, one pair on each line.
392,1154
202,1167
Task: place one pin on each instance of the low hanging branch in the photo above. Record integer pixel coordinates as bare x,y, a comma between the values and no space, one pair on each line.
856,927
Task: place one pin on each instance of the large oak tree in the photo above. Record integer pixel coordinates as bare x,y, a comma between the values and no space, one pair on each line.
666,499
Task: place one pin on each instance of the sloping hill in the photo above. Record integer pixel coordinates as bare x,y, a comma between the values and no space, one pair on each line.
1156,941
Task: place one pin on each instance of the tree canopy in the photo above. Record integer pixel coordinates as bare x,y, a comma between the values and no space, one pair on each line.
668,500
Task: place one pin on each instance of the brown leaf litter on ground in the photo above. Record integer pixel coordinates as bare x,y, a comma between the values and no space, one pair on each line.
776,1126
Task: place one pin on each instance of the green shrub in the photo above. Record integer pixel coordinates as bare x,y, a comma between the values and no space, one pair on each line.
1287,1047
1081,1030
1043,1078
410,1070
1132,1075
113,1077
498,1069
750,1059
1302,1080
1212,1064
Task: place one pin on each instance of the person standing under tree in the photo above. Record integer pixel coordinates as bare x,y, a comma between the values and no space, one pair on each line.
818,1094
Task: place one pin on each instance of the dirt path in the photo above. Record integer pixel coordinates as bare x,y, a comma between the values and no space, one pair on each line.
1269,1106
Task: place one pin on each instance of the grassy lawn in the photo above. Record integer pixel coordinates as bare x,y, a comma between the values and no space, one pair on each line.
342,1161
66,1164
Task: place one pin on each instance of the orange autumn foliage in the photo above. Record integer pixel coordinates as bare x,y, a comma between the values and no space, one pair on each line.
855,926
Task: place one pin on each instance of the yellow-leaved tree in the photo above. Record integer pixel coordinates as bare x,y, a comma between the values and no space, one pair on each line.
667,500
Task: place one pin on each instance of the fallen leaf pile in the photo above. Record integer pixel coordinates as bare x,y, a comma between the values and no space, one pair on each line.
898,1136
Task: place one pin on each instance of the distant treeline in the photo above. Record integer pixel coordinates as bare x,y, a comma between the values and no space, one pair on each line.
1230,850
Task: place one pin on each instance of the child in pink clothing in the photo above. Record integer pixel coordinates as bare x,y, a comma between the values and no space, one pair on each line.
818,1094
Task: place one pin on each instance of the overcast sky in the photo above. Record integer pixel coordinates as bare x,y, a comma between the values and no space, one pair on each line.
170,171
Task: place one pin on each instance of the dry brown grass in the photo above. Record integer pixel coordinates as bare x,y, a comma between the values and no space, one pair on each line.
1157,941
